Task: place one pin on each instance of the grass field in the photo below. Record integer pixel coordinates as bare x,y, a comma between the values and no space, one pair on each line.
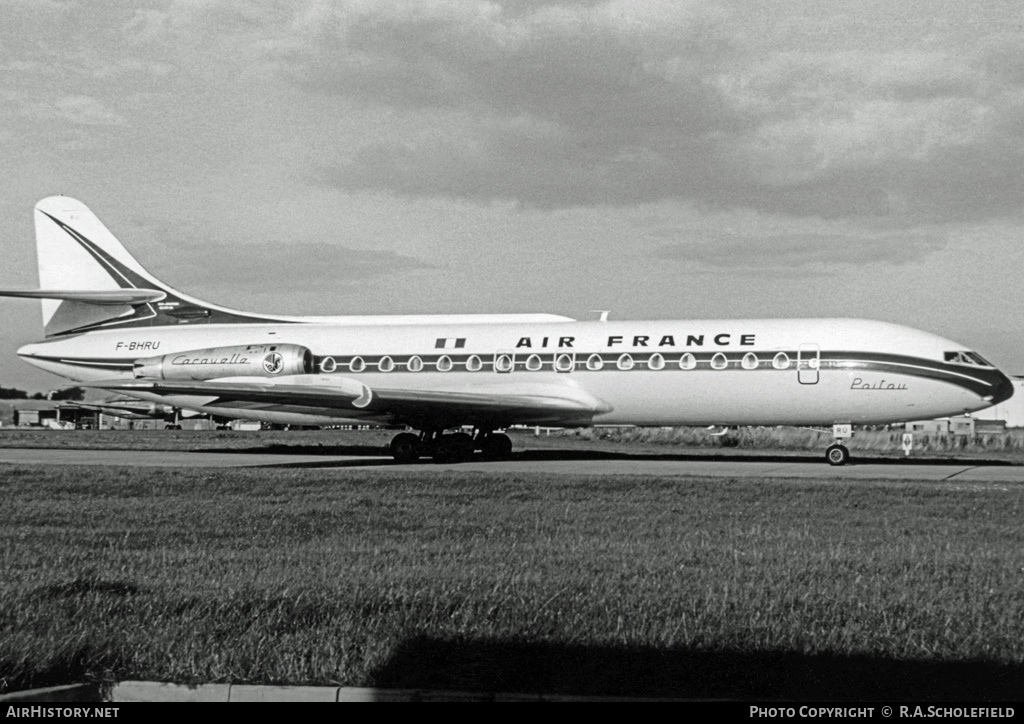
630,586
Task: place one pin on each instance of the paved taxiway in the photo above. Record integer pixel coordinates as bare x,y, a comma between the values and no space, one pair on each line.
634,465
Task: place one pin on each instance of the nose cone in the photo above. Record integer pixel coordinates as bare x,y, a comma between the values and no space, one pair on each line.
28,350
1002,387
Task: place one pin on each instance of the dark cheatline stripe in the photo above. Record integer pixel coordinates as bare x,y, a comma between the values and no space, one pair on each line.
981,381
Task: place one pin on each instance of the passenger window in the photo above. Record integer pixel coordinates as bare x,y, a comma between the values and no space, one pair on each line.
719,361
687,361
781,361
356,365
415,364
474,363
564,363
534,363
386,364
594,362
503,363
444,364
328,365
625,362
750,361
656,362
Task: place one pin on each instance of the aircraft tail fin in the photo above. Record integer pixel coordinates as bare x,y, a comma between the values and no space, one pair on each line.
88,280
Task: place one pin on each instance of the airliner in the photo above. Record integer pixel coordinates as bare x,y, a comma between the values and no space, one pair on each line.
111,325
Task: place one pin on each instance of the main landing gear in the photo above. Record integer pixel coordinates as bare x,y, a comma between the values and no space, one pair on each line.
456,447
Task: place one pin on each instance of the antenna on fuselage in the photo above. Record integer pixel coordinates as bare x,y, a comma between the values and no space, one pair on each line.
604,314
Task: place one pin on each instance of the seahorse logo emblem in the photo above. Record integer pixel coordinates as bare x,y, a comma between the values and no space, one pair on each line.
273,363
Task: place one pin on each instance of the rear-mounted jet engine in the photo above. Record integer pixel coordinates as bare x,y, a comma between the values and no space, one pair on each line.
253,360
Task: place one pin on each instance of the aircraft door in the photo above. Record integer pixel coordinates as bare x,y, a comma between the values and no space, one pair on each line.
808,362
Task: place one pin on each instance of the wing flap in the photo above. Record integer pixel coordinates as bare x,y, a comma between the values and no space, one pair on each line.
550,400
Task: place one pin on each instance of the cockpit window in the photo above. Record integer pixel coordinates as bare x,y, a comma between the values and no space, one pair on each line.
967,358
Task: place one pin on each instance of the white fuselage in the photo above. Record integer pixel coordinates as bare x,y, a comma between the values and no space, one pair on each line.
687,372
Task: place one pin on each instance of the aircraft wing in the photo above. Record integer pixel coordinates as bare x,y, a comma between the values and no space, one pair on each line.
332,396
126,413
127,409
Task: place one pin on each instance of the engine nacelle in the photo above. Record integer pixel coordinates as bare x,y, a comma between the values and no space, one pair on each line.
251,360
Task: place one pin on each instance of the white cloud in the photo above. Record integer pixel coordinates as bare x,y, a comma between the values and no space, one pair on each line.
318,266
146,26
86,111
792,251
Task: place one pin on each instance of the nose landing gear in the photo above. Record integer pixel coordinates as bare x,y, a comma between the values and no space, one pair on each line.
837,453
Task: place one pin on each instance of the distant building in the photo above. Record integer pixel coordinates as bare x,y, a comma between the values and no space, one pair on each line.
929,427
957,426
197,423
44,413
961,425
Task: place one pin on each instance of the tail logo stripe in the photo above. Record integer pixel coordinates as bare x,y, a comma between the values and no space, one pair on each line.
128,278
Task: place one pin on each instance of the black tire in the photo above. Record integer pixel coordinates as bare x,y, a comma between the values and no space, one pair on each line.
837,455
455,448
405,447
496,446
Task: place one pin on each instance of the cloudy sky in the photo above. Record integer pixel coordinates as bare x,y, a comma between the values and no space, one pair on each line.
656,159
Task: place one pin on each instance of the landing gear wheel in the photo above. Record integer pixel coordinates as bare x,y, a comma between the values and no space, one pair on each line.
496,446
837,455
405,447
455,448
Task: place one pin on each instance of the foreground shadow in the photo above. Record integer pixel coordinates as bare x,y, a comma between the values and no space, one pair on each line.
681,673
279,449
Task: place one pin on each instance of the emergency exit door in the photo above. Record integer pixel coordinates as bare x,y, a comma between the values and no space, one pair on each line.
808,362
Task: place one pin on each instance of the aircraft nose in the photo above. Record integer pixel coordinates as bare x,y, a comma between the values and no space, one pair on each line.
1002,387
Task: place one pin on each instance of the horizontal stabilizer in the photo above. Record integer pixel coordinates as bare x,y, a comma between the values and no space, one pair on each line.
87,296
